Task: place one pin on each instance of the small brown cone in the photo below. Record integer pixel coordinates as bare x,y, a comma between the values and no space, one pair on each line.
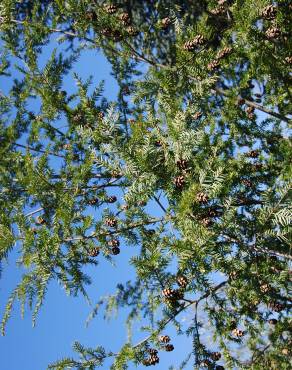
182,281
116,174
168,293
224,52
40,221
94,252
93,202
269,12
132,31
189,46
206,222
182,164
192,44
249,110
215,64
276,306
152,351
169,347
238,333
197,115
273,33
165,23
253,154
113,243
125,19
219,10
115,251
179,181
107,32
112,199
247,183
205,363
110,9
111,222
265,288
153,360
233,275
215,356
164,339
202,198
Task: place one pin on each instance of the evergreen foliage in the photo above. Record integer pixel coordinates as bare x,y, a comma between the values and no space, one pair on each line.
200,130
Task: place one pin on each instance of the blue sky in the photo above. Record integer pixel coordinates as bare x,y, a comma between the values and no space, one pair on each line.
61,320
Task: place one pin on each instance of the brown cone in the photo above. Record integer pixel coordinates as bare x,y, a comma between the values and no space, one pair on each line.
269,12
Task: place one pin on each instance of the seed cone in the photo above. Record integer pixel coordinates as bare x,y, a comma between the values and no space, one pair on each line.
276,306
182,164
179,181
132,31
182,281
253,154
111,222
202,197
112,199
115,251
125,19
93,202
165,23
215,356
164,339
94,252
273,33
269,12
152,351
197,115
169,347
114,243
192,44
110,9
213,65
224,52
40,221
238,333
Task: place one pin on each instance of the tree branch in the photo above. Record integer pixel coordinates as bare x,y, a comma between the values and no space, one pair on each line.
38,150
253,104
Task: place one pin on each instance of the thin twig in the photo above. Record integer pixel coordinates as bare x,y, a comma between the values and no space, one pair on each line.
253,104
33,212
117,231
38,150
159,203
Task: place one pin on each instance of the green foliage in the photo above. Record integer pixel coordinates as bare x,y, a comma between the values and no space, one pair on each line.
199,135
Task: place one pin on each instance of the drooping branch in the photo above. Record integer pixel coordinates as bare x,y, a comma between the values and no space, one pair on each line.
250,103
117,231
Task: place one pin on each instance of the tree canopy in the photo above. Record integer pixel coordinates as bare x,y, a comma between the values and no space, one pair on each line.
190,165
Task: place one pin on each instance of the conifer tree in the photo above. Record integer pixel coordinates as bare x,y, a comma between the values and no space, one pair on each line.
199,134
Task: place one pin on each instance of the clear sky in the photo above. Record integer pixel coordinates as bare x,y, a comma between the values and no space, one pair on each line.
61,320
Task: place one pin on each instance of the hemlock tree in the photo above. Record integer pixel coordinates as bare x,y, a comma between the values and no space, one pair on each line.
200,130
